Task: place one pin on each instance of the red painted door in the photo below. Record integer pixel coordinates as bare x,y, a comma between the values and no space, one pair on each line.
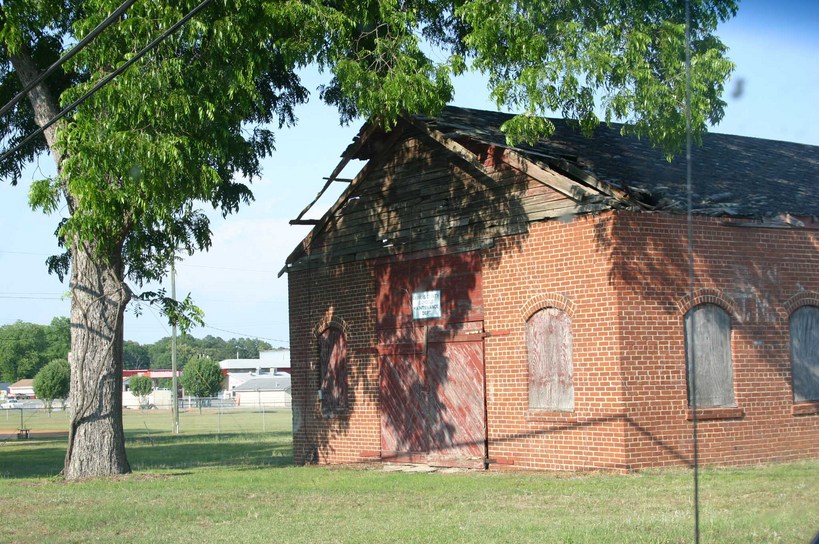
432,375
403,394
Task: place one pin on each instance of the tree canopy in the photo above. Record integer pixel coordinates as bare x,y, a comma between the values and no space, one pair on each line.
52,382
141,387
202,378
609,60
135,356
187,125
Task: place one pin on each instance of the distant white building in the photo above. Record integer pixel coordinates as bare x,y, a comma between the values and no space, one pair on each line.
269,362
159,398
259,381
269,390
22,388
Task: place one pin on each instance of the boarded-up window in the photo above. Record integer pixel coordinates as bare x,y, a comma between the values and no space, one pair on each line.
333,368
708,349
805,353
549,346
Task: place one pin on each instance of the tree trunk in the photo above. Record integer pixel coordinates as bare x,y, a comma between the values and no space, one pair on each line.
96,440
42,101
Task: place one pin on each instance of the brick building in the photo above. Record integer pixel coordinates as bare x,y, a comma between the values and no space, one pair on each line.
469,303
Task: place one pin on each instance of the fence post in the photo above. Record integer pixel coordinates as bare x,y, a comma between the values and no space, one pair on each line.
264,427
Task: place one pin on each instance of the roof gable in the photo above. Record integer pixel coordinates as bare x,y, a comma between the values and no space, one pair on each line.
418,194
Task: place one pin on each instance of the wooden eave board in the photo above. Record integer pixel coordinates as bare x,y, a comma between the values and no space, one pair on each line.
452,233
572,189
574,172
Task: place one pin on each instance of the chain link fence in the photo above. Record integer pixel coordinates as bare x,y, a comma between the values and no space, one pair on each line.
31,420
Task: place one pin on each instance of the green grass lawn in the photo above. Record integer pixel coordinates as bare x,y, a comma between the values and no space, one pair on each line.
210,484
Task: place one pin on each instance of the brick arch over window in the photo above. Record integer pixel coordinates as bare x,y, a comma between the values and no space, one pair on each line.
802,298
547,300
803,324
331,343
334,321
706,295
549,353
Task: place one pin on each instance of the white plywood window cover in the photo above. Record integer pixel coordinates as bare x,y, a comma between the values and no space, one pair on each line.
549,349
804,328
708,348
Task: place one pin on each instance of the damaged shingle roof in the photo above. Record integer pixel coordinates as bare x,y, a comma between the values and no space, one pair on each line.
731,175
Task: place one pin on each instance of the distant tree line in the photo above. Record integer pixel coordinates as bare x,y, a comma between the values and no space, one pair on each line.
25,348
158,354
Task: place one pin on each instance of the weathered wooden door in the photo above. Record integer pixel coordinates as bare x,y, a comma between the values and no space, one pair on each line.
432,367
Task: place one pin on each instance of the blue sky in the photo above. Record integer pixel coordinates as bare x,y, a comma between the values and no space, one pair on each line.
775,45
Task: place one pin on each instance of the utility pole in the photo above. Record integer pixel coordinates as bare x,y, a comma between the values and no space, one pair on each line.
174,378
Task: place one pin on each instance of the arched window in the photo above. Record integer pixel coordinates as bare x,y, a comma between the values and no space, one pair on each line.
549,348
708,350
333,368
804,325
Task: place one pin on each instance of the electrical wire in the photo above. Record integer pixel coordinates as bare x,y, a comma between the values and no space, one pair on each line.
227,268
246,335
105,81
3,251
79,46
241,334
25,296
691,277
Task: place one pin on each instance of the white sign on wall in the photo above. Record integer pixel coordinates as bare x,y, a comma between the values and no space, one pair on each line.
426,304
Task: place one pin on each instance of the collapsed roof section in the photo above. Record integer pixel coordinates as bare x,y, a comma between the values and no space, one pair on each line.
732,175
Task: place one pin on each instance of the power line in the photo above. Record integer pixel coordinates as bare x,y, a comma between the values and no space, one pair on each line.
230,269
73,51
191,14
2,251
246,335
241,334
31,296
156,317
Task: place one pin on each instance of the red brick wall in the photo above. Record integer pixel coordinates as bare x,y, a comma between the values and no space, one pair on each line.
755,274
561,265
342,295
623,279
